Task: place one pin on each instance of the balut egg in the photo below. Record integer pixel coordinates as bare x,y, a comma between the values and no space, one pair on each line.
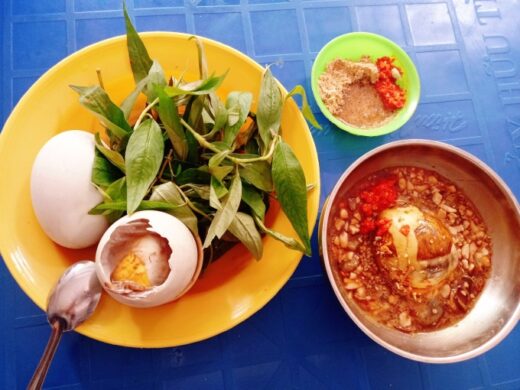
417,248
147,259
62,193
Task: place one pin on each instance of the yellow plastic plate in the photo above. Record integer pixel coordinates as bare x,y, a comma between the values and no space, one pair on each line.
231,289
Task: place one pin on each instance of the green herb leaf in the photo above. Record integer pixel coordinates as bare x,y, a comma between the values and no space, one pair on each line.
103,172
258,174
225,215
117,190
170,193
217,158
289,183
197,190
216,192
306,109
253,198
269,110
170,119
289,242
238,104
143,158
203,63
220,173
156,81
208,85
98,102
114,157
140,61
243,227
129,102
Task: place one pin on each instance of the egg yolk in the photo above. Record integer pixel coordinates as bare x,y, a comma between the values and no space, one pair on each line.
131,268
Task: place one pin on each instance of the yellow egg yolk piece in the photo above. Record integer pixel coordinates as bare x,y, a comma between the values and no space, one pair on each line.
131,269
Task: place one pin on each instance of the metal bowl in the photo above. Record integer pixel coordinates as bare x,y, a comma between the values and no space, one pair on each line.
497,310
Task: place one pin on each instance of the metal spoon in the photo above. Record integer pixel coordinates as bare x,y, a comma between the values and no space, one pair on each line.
72,300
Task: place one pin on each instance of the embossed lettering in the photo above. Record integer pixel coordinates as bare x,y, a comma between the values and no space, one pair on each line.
514,131
509,92
449,122
486,11
509,67
496,44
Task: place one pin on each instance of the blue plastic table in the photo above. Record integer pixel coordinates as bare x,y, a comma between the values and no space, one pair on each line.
468,56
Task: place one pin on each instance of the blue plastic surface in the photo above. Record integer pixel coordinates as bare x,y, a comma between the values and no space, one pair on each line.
468,56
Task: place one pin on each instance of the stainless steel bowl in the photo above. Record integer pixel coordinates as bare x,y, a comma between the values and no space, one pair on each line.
498,309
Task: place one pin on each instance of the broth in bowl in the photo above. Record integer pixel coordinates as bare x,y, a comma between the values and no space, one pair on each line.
409,248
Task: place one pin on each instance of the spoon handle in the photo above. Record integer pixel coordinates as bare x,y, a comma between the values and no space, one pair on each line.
43,366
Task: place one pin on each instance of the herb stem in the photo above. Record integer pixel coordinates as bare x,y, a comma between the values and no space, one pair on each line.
100,78
190,204
205,144
144,112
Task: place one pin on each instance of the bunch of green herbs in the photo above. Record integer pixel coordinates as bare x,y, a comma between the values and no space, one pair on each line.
214,165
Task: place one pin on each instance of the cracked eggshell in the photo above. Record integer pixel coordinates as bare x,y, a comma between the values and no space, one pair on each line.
185,257
62,193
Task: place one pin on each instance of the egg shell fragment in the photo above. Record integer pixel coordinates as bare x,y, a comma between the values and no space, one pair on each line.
62,193
184,261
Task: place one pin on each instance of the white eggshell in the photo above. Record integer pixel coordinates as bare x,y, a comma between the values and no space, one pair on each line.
183,262
62,193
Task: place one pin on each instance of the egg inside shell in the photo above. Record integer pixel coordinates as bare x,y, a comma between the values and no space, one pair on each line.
147,259
417,249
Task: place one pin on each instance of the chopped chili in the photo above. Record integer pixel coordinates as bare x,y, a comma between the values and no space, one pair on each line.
375,199
391,94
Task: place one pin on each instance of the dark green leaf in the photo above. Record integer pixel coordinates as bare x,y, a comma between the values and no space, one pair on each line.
193,148
143,158
194,176
114,157
97,100
289,242
170,193
225,215
240,101
170,119
243,227
140,61
291,190
258,174
253,198
306,109
252,147
269,110
103,172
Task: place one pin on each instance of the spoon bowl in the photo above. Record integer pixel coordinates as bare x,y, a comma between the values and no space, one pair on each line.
72,301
